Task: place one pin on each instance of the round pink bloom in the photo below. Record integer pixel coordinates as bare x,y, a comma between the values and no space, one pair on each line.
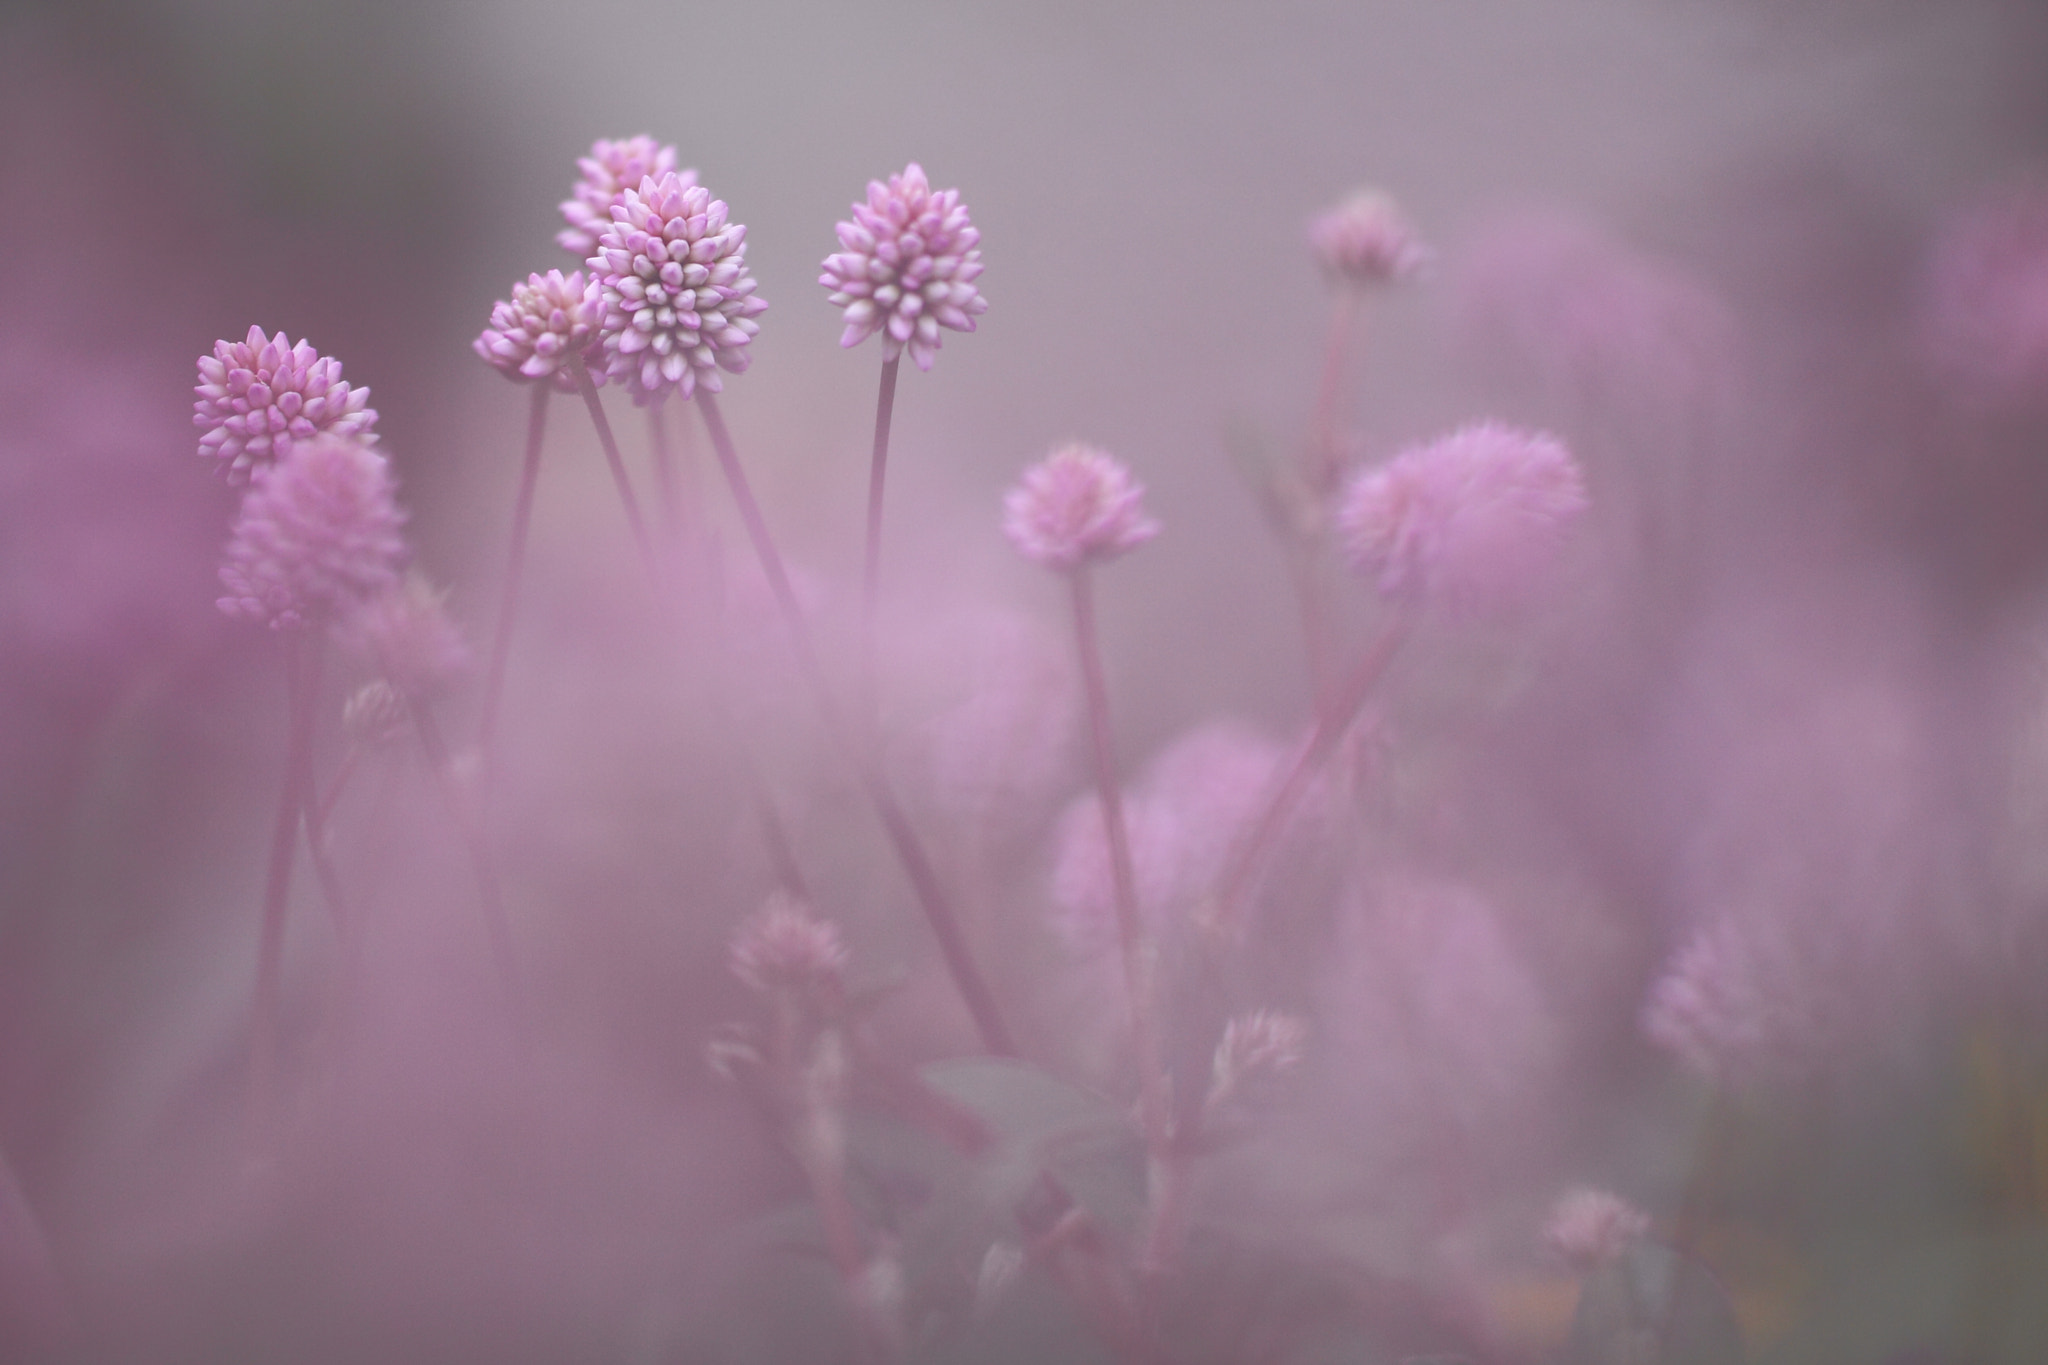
406,634
609,171
1075,506
907,268
1367,240
679,303
547,327
1589,1226
318,534
785,947
259,395
1469,520
1986,312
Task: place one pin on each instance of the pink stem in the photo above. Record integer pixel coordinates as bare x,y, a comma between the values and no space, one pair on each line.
631,504
302,683
871,578
508,603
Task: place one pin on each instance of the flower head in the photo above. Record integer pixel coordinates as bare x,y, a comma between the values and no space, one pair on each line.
906,268
1367,240
1468,520
1985,318
1589,1226
785,947
406,634
259,395
1075,506
609,171
317,535
547,326
679,303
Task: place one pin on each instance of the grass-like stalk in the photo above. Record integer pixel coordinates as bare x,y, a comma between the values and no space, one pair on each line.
666,488
1139,967
903,839
508,601
302,668
588,388
871,573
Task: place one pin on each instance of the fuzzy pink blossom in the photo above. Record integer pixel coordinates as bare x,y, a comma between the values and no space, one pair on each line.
259,395
1367,240
1735,1008
1985,317
784,947
318,535
374,714
1588,1226
609,171
679,303
1469,520
547,326
1076,506
907,267
406,635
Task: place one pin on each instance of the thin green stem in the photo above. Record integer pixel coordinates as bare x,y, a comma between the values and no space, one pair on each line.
871,577
588,388
302,682
515,563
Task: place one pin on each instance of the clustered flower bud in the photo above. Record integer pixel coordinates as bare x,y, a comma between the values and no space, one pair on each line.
679,303
907,268
784,947
317,535
1588,1227
1367,240
1076,506
1468,521
260,395
609,171
405,633
547,326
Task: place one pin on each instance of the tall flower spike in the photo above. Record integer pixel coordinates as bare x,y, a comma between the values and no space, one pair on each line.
679,303
1468,521
1368,240
549,322
609,171
1075,506
317,535
907,267
260,395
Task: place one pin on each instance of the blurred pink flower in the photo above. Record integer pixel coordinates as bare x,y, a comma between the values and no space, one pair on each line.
1589,1226
317,535
907,267
406,635
1718,1009
549,324
785,947
1262,1041
260,394
1076,506
609,171
1468,521
1985,317
374,714
1367,240
679,303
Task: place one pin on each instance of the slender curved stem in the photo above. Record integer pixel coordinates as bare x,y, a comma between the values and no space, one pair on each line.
302,683
588,388
508,602
665,490
871,577
1344,314
909,849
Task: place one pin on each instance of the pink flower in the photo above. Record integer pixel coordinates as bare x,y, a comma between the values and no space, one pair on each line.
1985,319
548,326
908,267
259,395
1262,1041
679,303
1589,1226
405,633
786,947
1367,240
1469,520
317,535
1076,506
609,171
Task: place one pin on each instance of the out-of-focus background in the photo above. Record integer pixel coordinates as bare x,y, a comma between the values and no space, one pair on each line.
1820,577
